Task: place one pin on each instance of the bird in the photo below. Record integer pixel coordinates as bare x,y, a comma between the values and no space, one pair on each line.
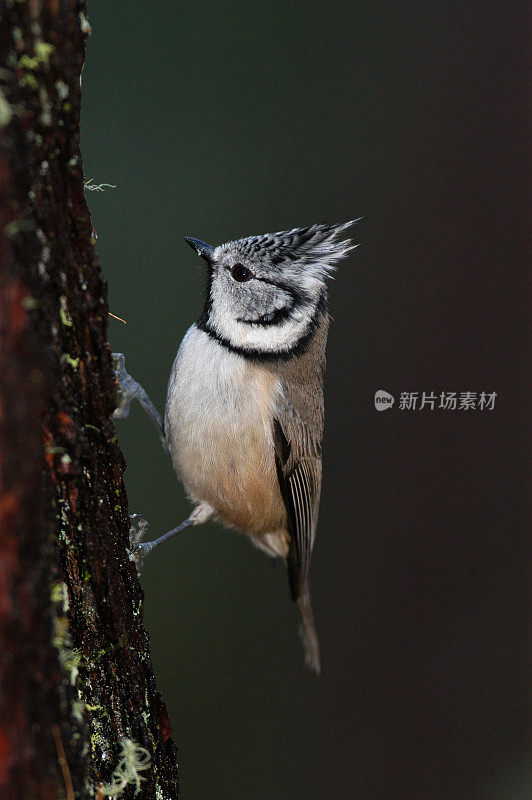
244,411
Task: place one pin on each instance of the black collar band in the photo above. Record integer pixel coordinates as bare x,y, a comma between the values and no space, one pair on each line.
268,355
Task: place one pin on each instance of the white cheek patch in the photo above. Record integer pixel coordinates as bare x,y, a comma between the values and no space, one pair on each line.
268,338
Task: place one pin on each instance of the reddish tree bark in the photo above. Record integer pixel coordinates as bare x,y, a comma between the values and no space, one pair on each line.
75,672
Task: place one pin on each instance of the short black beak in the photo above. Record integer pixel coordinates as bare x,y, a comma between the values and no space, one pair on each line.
202,249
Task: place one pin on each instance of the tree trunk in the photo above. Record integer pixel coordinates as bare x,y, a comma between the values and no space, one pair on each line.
77,690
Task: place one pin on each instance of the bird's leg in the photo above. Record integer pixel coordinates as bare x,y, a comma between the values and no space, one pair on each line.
202,513
131,390
139,526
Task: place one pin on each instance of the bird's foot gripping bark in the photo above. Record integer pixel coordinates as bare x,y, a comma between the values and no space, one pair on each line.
137,532
130,390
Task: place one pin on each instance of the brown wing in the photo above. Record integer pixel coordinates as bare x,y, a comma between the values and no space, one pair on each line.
298,433
298,463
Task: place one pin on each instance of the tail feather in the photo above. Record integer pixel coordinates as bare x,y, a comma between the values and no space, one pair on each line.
307,631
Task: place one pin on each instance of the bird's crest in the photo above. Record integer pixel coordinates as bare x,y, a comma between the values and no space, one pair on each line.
318,247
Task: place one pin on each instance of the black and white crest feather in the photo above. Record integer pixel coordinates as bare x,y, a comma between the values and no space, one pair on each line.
313,251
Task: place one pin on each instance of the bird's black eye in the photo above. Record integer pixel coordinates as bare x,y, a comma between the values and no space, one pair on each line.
241,273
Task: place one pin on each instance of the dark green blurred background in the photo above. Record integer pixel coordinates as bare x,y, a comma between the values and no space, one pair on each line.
222,120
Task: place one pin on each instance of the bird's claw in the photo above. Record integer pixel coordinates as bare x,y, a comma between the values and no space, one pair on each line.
129,388
140,551
137,531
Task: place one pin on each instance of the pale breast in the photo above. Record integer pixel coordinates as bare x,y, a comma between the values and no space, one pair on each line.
218,422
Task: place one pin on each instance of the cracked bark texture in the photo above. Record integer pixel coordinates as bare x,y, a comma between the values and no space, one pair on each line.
75,670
